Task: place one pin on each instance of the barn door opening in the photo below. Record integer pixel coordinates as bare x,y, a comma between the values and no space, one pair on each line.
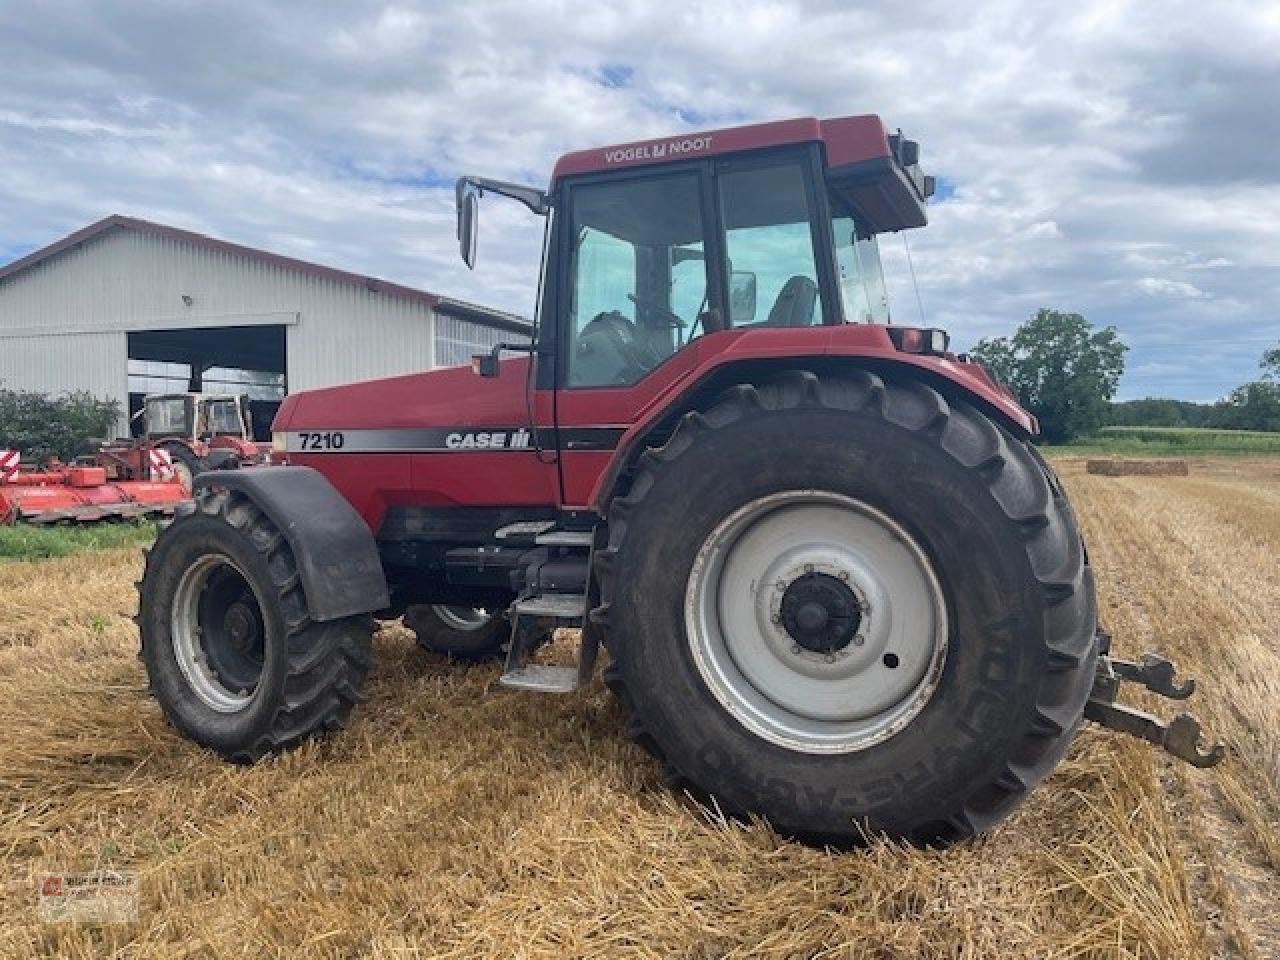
223,360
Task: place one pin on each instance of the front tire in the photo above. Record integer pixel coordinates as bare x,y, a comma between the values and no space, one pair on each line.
230,651
926,655
471,634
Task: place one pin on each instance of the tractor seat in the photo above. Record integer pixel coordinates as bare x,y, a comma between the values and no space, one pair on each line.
794,306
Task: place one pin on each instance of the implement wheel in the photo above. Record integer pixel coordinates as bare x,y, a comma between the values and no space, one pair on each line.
231,653
849,605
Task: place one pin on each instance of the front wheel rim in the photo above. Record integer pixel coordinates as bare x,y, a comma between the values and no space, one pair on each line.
218,633
817,621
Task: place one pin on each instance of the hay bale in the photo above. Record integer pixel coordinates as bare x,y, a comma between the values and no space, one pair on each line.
1119,467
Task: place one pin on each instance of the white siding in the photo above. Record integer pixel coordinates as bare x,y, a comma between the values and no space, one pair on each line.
458,340
95,362
131,280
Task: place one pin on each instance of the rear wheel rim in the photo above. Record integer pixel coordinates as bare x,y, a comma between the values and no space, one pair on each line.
817,621
218,633
466,619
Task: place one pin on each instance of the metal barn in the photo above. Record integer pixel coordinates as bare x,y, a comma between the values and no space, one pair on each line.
126,307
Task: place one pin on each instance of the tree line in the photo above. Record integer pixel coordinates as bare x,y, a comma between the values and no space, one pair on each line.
1066,373
1250,406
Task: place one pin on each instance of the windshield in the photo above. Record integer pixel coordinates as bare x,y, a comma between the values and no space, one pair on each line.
223,417
167,415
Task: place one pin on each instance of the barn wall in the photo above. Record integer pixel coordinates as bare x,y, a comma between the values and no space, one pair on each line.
94,362
130,280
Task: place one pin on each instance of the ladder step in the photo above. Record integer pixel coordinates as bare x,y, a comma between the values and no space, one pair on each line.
542,678
525,529
565,538
563,606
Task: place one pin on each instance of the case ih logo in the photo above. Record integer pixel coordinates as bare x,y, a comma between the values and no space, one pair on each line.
658,150
488,440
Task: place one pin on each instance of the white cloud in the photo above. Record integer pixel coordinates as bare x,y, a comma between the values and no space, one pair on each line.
1162,287
1044,229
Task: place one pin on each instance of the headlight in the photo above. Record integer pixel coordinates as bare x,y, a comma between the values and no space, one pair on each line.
279,442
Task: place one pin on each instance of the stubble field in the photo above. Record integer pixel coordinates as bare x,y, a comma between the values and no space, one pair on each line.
457,819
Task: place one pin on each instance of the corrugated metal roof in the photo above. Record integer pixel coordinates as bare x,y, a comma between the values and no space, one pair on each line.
373,284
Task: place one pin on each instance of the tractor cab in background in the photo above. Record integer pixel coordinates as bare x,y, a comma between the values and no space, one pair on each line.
195,417
199,431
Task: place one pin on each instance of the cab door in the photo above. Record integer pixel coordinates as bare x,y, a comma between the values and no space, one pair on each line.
640,282
662,271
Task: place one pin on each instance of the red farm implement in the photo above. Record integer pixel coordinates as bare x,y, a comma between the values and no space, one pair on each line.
83,493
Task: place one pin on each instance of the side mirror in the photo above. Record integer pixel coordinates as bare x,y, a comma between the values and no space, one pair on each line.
742,297
468,198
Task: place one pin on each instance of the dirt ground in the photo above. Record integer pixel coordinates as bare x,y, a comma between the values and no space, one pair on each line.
458,819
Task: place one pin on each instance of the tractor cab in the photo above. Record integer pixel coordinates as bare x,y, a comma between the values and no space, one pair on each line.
195,417
655,244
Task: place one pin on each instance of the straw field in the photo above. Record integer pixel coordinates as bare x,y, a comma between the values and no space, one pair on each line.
457,819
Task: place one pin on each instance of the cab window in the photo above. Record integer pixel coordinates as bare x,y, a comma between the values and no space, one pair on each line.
224,417
862,290
773,275
637,276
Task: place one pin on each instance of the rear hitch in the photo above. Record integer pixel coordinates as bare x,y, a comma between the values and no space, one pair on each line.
1180,737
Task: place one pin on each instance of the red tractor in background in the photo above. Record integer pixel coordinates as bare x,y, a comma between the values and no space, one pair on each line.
199,431
837,584
181,435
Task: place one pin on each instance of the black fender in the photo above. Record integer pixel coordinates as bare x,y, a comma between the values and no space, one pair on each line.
221,459
332,546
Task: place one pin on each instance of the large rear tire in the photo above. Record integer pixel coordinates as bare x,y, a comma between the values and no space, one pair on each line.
230,651
849,605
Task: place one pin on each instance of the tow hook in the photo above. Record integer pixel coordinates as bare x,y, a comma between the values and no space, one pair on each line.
1180,737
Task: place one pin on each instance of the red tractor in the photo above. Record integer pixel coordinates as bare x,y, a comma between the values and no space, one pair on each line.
199,431
837,584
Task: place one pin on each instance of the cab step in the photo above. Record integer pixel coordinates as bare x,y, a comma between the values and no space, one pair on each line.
529,616
525,530
565,538
541,678
568,607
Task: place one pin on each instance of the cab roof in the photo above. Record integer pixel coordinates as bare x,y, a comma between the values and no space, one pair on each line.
848,140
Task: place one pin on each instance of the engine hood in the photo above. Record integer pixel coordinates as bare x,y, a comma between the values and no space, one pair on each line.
439,398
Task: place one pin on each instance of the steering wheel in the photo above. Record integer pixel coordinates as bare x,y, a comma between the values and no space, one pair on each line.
673,319
611,336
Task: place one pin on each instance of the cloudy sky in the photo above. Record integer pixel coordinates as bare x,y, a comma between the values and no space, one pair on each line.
1118,159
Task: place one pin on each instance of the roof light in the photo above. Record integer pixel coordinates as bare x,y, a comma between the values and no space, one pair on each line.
924,340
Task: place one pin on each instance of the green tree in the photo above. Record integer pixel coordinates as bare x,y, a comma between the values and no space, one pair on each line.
1061,369
1147,412
41,426
1161,412
1271,364
1255,405
1251,406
